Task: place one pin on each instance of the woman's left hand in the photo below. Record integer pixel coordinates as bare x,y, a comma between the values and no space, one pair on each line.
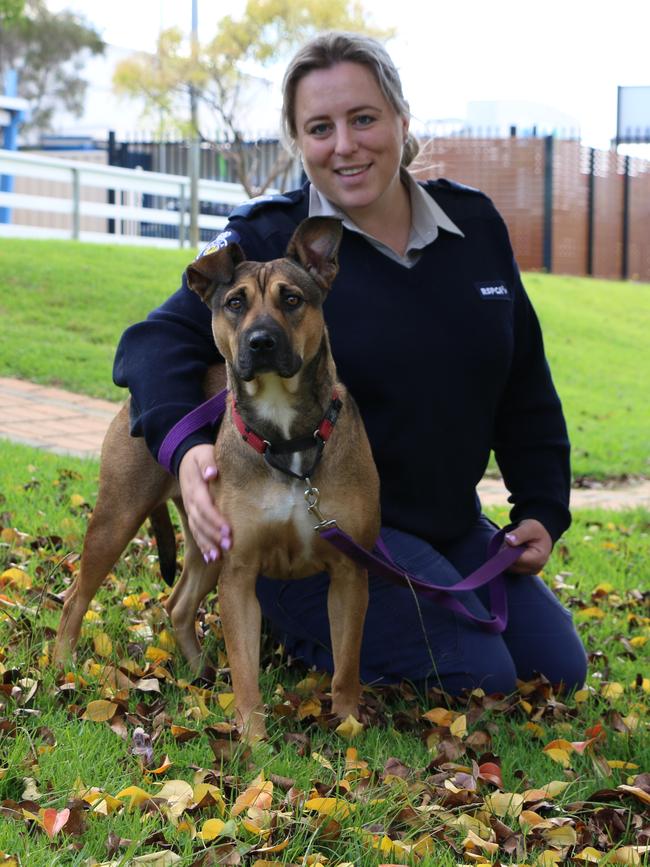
538,544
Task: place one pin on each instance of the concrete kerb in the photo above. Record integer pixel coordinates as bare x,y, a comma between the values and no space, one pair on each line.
65,423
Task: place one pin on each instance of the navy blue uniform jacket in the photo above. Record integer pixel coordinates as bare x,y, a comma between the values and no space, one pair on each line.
445,360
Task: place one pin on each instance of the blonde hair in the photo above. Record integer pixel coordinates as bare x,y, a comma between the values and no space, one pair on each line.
325,51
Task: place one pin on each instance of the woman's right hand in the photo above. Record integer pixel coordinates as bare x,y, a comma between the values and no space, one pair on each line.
208,526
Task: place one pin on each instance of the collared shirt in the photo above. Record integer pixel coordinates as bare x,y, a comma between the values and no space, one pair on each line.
427,218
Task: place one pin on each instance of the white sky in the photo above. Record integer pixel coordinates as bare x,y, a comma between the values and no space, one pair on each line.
566,54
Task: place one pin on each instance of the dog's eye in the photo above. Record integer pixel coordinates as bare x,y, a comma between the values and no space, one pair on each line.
292,300
236,304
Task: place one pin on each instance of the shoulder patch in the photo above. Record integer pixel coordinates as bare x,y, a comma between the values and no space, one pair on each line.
229,236
247,208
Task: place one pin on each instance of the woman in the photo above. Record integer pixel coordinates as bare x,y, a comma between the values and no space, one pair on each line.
435,337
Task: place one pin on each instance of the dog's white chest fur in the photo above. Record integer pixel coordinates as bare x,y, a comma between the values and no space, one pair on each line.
286,504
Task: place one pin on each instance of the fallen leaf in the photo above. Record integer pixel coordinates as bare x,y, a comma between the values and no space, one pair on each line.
54,820
259,794
99,711
309,707
504,803
211,829
350,728
335,807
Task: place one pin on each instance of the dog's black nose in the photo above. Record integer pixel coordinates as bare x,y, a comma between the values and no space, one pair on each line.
261,340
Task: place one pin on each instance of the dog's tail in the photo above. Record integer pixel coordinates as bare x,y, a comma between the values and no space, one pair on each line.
163,529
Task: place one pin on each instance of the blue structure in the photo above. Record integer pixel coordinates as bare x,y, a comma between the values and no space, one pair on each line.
12,113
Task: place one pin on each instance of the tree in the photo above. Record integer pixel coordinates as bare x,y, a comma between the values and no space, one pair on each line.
267,32
48,51
11,12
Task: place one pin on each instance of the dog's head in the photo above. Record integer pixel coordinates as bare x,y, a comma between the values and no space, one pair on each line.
267,316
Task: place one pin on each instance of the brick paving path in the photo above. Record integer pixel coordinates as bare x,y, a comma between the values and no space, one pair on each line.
71,424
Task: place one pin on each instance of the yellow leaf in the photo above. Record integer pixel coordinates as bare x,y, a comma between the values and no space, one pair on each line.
309,707
616,763
589,854
581,696
99,711
322,761
530,819
439,716
559,744
560,756
211,829
628,855
92,616
593,613
135,795
504,803
102,644
565,835
227,702
157,655
459,726
638,640
473,841
178,794
102,803
548,858
535,729
201,790
350,728
166,640
645,684
253,828
134,602
16,577
330,807
157,859
611,691
603,589
77,500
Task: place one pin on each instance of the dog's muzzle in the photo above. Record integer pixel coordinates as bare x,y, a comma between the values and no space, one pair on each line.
265,348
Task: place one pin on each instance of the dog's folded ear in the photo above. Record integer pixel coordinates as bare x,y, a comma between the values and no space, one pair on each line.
210,272
315,245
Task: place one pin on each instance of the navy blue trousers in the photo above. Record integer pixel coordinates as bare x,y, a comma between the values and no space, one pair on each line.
415,639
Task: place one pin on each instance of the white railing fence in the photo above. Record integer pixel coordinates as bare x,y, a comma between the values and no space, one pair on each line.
57,198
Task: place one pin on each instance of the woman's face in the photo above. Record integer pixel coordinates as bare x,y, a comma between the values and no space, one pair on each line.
350,138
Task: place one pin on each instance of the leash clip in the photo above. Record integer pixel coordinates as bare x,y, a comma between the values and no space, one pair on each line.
312,497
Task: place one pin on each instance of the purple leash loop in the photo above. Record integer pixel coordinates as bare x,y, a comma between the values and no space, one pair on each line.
208,412
491,572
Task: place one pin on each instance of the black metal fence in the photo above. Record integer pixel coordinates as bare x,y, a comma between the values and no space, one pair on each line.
263,160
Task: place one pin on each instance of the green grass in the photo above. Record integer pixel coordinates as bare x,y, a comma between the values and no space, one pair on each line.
600,565
64,306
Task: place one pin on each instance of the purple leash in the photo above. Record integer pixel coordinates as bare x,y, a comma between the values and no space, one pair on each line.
491,572
208,412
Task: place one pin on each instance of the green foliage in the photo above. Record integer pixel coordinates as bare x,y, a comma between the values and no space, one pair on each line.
11,11
266,32
48,50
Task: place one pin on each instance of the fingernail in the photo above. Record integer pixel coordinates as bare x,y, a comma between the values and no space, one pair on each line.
226,544
511,538
206,557
214,554
225,530
209,473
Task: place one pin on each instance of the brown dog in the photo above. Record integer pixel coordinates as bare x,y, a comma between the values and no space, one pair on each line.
268,325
